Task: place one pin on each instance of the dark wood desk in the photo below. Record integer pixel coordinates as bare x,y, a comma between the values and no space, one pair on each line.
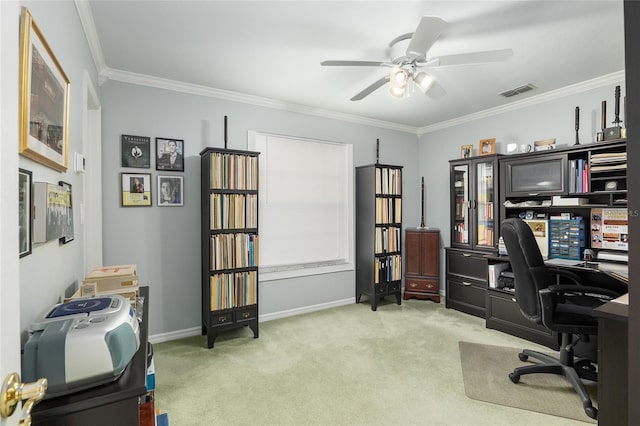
115,403
613,382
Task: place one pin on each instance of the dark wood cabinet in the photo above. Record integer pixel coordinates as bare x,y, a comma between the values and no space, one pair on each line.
229,189
115,403
422,264
378,233
503,314
467,281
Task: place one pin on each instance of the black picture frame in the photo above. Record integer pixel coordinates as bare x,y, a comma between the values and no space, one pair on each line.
68,234
135,189
165,161
170,191
136,151
25,212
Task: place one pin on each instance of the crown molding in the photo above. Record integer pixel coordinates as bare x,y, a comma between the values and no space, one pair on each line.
89,27
605,80
195,89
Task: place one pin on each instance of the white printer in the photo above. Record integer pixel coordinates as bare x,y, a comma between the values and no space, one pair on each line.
82,343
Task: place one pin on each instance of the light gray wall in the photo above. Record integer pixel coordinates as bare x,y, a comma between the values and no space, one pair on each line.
550,119
51,268
165,242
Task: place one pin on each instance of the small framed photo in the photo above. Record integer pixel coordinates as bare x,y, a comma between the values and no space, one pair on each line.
170,190
135,189
487,146
67,226
466,151
136,151
25,211
170,154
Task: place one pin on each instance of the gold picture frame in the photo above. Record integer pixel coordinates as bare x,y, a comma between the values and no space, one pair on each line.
487,146
44,99
466,151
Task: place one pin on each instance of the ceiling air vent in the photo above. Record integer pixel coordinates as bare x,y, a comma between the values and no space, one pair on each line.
517,90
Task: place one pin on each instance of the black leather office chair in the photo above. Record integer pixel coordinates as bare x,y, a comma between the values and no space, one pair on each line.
563,308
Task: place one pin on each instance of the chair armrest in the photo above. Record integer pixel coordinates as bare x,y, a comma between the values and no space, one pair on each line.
563,273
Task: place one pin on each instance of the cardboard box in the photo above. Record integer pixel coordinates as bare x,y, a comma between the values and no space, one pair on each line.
115,277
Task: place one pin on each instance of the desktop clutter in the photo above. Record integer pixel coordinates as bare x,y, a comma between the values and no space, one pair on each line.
91,337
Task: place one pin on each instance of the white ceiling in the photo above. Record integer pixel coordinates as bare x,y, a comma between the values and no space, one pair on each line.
272,50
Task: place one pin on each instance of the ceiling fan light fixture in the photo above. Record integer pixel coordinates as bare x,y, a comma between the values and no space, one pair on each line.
396,91
424,81
398,77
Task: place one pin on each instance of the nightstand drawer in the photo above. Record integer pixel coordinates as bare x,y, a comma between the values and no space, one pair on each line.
421,285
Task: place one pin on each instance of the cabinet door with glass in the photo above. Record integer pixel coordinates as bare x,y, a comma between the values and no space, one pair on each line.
484,205
473,197
460,204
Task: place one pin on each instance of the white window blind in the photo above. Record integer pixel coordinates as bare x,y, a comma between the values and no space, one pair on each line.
305,210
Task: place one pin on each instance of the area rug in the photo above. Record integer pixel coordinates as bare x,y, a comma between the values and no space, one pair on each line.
485,370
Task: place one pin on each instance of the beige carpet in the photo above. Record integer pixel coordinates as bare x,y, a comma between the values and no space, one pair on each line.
485,370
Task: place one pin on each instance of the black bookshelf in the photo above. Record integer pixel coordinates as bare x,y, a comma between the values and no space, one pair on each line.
229,190
378,233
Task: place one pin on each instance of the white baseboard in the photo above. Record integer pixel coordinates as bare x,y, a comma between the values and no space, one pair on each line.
196,331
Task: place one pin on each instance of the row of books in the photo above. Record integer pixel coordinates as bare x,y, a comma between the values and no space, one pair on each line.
234,290
229,251
387,269
578,176
388,239
388,181
485,234
388,210
233,171
234,211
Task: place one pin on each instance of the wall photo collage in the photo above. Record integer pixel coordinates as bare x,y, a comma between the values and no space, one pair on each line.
136,189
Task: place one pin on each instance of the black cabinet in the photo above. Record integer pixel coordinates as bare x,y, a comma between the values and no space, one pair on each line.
504,314
474,195
229,189
115,403
378,233
536,174
466,281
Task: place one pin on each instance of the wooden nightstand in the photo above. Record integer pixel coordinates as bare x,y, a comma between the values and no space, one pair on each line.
422,267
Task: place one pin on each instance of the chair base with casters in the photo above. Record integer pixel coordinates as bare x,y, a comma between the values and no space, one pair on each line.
565,366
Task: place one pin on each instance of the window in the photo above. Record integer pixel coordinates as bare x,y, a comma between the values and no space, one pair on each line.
305,209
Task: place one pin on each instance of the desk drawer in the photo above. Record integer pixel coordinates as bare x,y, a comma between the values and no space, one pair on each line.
466,264
466,292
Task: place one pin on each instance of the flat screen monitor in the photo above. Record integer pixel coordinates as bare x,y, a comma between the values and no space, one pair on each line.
609,229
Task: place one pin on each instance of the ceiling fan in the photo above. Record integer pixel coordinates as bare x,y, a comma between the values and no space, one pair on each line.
405,68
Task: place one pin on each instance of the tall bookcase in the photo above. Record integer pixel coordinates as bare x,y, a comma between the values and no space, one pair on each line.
229,184
378,232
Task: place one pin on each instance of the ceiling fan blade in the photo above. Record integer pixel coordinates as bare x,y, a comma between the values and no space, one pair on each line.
352,63
371,88
426,34
471,58
436,91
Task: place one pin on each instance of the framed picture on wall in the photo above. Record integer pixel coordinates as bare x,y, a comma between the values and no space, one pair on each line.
136,151
44,99
67,235
487,146
170,154
25,211
170,191
135,189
